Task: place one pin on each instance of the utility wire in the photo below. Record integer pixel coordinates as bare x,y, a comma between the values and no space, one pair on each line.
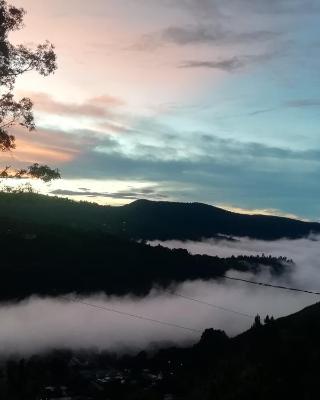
172,325
270,285
209,304
141,317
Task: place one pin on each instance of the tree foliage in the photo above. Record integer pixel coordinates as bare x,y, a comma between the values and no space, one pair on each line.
37,171
16,60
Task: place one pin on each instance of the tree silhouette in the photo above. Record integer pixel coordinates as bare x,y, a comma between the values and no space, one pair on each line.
257,322
16,60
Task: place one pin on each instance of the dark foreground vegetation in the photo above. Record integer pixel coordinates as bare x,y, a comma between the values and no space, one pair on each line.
149,220
54,260
273,360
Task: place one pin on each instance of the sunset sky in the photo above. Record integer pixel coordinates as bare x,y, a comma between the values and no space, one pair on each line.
191,100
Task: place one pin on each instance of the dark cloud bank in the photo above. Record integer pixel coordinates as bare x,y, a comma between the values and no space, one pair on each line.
229,64
200,34
130,194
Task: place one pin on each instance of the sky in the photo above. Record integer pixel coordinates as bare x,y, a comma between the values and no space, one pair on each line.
215,101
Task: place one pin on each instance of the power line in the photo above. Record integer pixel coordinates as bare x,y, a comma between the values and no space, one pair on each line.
172,325
141,317
270,285
210,304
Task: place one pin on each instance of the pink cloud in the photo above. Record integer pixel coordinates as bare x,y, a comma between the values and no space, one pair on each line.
98,107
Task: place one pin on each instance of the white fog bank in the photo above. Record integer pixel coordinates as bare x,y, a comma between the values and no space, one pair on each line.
304,252
41,324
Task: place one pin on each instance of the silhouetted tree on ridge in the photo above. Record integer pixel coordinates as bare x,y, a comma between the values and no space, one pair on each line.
15,60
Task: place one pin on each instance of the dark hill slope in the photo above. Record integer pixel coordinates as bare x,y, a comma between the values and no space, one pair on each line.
167,220
279,360
54,260
149,220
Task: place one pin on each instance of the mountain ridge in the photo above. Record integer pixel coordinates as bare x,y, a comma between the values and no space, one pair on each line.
150,220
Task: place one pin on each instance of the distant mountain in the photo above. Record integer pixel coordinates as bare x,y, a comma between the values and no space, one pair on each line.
167,220
150,220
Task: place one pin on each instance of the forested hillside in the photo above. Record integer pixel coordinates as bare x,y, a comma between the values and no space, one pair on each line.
149,220
53,260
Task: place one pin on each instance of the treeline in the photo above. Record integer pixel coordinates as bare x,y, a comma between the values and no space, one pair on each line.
54,260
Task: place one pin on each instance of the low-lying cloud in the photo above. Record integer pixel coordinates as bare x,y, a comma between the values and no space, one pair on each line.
304,252
41,324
